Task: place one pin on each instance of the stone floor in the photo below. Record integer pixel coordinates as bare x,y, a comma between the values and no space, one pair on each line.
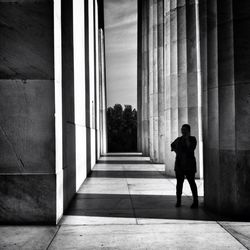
128,203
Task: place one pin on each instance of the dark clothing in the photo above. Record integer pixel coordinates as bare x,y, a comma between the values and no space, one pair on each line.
185,165
191,180
185,162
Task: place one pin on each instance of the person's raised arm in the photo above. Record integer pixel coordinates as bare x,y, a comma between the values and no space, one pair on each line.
192,143
174,145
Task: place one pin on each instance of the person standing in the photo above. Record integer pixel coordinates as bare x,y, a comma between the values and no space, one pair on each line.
185,163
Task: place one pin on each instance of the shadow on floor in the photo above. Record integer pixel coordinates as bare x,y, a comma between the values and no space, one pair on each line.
141,206
128,174
135,206
123,162
122,155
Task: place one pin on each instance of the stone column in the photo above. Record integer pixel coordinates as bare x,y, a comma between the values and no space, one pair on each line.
139,76
101,80
183,60
92,82
97,82
194,79
173,74
176,74
151,77
240,167
211,142
80,33
227,142
145,83
161,83
155,95
143,87
167,91
203,60
103,122
68,95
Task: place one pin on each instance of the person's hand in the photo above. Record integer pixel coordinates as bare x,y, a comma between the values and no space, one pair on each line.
187,138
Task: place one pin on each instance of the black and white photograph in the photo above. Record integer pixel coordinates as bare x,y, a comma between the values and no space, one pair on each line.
124,124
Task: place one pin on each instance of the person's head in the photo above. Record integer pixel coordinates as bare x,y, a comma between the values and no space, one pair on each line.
185,129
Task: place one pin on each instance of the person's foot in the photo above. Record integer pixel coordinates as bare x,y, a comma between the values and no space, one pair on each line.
194,205
178,203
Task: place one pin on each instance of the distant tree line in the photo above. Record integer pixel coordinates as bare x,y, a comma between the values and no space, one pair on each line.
122,128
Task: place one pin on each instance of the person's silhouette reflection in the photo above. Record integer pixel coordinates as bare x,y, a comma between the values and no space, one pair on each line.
185,163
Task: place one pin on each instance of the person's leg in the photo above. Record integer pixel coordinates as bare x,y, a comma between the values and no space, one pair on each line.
179,185
191,181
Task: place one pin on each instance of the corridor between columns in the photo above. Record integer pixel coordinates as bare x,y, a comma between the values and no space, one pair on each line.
128,203
193,67
130,189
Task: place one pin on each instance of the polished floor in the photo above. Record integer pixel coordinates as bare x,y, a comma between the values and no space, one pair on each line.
128,203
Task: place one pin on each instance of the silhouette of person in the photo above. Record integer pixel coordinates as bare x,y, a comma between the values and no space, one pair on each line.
185,163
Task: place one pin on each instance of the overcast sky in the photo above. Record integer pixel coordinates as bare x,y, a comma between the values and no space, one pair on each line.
121,51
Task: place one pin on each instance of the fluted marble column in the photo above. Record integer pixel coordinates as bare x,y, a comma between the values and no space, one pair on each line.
91,115
227,141
139,77
204,61
194,78
167,83
102,83
174,76
151,76
68,94
161,84
97,80
155,96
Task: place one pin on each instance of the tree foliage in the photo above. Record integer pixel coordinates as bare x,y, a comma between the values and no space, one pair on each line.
122,128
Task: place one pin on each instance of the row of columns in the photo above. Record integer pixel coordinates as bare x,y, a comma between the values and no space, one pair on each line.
52,87
88,132
168,77
193,60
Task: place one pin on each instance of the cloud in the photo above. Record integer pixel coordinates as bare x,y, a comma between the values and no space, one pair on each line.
121,50
129,20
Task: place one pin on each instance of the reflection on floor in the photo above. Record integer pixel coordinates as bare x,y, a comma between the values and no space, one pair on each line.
128,203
